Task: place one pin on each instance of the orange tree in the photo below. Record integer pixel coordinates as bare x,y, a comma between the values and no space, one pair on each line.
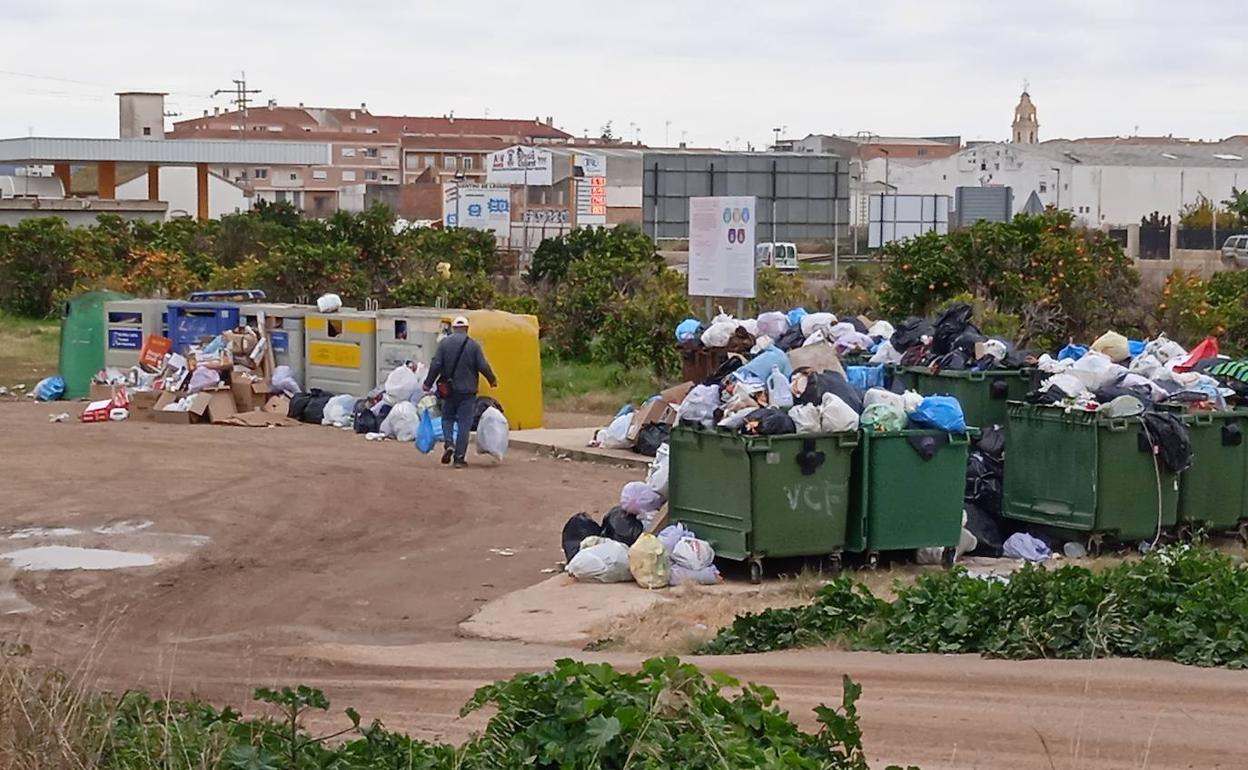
1062,281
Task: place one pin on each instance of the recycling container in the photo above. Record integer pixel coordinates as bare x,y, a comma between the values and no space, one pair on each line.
907,491
511,345
340,351
128,322
1080,472
84,339
757,497
984,395
409,334
192,322
285,328
1211,492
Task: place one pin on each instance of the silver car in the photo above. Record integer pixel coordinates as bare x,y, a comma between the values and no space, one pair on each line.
1236,248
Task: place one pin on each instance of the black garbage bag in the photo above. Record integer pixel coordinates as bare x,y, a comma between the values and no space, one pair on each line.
1018,359
730,365
857,323
928,445
310,406
791,339
483,403
651,437
1166,434
967,341
986,529
919,355
622,526
575,530
366,421
1142,391
984,479
953,324
835,382
910,334
768,422
953,361
992,442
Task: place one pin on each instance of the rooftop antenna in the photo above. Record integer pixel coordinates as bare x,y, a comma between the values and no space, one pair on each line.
242,97
1026,85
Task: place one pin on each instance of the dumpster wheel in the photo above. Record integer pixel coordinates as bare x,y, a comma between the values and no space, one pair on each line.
1242,532
1094,544
756,571
832,564
873,560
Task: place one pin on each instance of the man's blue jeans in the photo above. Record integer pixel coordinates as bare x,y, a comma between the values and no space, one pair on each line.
458,411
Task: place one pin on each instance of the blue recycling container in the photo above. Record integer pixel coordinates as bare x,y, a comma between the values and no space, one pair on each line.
192,322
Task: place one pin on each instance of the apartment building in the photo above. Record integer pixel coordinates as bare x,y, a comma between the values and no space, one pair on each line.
369,151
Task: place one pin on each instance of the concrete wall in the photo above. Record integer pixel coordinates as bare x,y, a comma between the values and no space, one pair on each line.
80,212
178,188
142,116
1203,262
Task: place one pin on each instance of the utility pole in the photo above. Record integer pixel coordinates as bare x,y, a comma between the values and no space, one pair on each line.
242,98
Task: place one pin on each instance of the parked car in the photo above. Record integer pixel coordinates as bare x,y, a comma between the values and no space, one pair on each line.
1236,248
782,256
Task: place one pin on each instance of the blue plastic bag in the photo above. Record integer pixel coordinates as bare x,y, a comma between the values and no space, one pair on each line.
1073,352
796,315
865,377
940,412
1135,347
759,369
429,433
687,329
50,389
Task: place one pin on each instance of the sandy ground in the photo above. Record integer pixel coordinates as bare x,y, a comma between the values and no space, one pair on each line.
307,555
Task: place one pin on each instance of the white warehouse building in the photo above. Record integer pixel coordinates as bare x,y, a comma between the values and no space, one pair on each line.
1103,182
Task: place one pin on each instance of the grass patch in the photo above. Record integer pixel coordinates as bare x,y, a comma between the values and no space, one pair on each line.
29,349
573,386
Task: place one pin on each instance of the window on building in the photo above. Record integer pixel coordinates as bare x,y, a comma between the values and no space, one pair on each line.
983,166
294,177
370,152
318,173
996,166
348,152
467,162
242,174
370,176
348,176
261,173
1044,187
147,130
387,178
431,161
448,162
922,152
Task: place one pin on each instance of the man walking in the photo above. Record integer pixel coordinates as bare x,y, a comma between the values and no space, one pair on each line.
457,364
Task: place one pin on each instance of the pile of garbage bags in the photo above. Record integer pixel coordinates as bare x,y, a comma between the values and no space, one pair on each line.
619,550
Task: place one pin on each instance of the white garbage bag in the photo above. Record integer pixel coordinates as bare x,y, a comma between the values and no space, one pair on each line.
718,333
836,416
912,401
882,329
402,383
637,498
882,396
692,553
700,405
813,321
616,434
284,380
773,325
707,576
1095,371
492,433
806,418
606,562
328,303
338,410
401,423
885,354
1165,349
656,475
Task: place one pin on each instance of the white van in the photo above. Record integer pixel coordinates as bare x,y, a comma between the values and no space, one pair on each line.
1236,248
782,256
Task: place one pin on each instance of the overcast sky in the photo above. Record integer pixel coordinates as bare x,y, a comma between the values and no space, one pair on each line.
722,72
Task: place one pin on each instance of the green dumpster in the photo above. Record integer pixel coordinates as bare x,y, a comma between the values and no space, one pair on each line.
1080,472
756,497
1211,492
983,395
901,498
82,340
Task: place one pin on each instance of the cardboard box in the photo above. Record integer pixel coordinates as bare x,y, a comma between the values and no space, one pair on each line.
100,392
99,411
279,404
220,405
248,396
198,407
142,405
660,410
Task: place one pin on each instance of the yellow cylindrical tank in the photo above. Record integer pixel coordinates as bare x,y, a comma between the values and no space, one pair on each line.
511,346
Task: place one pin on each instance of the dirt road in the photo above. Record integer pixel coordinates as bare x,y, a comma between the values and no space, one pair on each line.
309,555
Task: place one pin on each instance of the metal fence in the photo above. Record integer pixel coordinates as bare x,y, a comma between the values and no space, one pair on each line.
1154,242
1206,238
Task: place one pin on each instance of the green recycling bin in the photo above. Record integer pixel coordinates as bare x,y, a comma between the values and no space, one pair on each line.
757,497
83,340
1080,472
907,492
983,395
1211,492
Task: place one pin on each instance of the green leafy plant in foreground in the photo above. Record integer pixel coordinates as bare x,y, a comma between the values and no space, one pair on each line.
1185,604
575,716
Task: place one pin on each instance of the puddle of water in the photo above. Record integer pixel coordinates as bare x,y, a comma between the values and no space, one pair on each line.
64,557
122,527
31,532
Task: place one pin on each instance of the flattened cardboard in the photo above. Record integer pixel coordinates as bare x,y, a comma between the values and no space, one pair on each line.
100,392
279,405
219,405
661,410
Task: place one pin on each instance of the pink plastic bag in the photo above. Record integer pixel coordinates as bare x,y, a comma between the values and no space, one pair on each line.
637,498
